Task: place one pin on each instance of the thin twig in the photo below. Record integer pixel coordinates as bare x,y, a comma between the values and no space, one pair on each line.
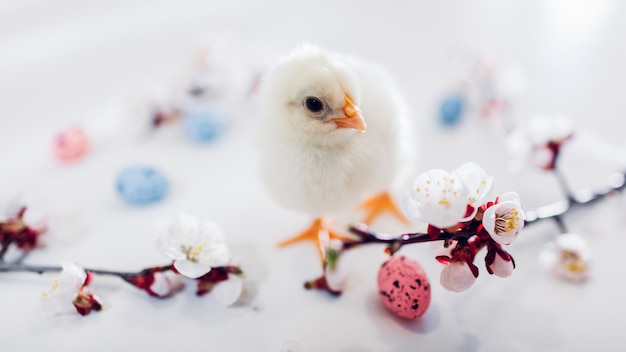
10,267
563,185
582,198
395,243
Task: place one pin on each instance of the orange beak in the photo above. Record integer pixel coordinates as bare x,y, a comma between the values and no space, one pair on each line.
352,117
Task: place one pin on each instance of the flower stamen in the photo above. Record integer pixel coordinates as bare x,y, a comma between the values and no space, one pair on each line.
574,262
507,220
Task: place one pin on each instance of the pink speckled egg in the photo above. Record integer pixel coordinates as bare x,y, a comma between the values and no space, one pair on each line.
403,287
70,145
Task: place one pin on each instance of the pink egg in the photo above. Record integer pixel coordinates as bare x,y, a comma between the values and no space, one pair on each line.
70,145
403,287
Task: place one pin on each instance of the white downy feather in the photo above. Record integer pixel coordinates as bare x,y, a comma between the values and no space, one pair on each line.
312,166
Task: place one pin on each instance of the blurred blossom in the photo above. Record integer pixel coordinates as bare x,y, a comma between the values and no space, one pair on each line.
69,292
227,292
567,257
538,141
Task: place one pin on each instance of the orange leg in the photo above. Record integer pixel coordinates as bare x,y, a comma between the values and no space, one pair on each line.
379,204
317,234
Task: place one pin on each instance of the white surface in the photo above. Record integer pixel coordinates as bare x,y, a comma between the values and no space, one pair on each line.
67,62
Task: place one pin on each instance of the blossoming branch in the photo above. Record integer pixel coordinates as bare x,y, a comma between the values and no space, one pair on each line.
460,212
197,248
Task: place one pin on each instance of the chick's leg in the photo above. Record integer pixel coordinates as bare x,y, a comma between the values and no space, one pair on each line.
379,204
319,232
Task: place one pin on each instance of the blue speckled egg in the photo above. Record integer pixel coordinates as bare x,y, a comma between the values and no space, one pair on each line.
203,125
141,185
451,109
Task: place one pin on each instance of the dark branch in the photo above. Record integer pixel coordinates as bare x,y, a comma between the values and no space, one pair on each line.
8,267
582,198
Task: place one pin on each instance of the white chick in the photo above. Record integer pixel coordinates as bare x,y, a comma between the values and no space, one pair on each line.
334,130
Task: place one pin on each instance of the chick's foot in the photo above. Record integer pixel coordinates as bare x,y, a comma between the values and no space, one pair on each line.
379,204
320,233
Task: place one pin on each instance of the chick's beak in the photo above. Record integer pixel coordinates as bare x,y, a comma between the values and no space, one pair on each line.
352,117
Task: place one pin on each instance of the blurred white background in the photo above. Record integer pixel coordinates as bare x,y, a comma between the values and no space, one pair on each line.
91,64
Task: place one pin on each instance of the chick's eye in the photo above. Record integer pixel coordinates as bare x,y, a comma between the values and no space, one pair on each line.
314,104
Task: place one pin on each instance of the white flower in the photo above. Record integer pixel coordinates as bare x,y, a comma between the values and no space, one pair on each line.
478,184
227,292
568,257
456,277
529,143
504,220
65,289
501,267
195,246
438,198
543,129
441,198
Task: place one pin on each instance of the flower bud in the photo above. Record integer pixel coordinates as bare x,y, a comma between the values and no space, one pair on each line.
457,277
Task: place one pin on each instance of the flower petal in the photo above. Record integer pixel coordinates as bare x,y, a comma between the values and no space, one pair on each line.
503,221
335,279
170,248
196,242
190,269
411,208
209,229
543,129
574,242
228,292
509,196
438,198
161,286
457,277
72,277
568,257
185,226
478,183
501,267
219,255
528,143
65,289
